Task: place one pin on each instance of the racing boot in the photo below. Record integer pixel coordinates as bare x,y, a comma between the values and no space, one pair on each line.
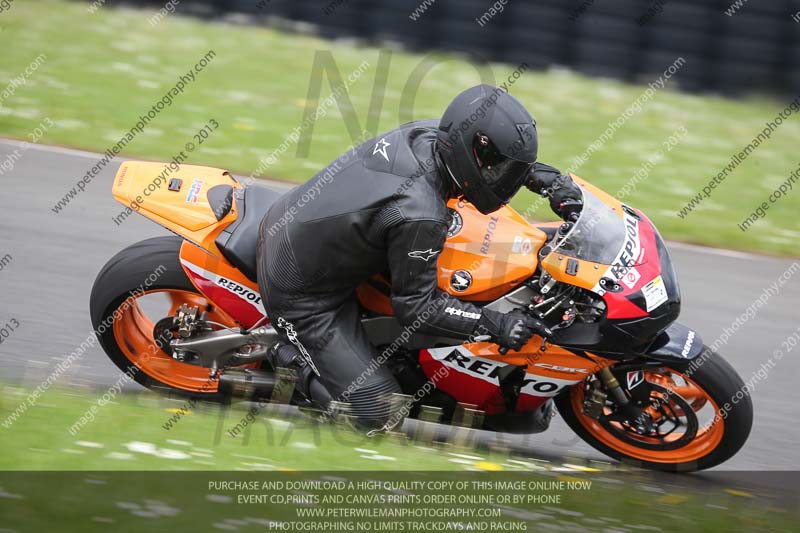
308,388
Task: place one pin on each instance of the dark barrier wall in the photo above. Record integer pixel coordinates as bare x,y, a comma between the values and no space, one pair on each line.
754,47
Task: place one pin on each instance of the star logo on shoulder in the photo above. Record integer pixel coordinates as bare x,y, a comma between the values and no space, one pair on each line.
380,148
425,255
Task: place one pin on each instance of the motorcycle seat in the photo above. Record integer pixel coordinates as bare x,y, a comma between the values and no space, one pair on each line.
238,241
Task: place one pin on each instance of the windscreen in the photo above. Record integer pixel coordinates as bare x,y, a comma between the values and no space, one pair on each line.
597,236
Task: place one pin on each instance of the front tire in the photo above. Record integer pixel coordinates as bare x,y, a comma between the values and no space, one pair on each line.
712,385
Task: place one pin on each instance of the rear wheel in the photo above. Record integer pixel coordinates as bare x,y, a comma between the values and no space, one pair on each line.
133,297
697,418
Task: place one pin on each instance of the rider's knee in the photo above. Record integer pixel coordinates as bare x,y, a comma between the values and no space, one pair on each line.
374,403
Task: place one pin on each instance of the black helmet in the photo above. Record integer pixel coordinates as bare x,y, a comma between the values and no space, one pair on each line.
487,142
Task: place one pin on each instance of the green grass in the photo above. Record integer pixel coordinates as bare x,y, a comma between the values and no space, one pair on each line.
104,69
127,435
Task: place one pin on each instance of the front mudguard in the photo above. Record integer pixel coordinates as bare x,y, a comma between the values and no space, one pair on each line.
676,344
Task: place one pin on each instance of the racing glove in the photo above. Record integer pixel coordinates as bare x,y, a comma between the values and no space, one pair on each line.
566,198
510,330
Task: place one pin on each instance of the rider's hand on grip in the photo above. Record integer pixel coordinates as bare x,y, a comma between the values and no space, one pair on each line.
570,209
512,329
564,195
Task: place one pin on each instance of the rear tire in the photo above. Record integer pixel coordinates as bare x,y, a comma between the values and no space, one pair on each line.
720,383
152,265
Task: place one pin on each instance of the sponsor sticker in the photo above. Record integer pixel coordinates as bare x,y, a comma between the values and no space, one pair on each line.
461,280
521,246
240,290
194,191
634,378
630,249
487,239
687,346
456,223
121,177
628,255
631,278
557,368
655,293
244,293
463,361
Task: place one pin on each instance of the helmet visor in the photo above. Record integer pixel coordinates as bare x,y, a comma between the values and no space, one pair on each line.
502,174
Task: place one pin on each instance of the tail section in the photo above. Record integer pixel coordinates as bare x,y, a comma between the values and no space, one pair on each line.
193,201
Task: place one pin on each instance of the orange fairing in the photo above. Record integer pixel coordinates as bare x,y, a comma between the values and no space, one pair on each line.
552,362
498,251
589,273
144,187
471,372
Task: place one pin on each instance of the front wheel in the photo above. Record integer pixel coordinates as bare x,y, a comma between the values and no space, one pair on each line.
699,414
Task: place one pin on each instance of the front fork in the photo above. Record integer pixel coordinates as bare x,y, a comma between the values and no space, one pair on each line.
607,385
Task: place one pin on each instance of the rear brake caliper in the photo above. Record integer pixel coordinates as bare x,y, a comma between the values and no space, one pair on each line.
186,319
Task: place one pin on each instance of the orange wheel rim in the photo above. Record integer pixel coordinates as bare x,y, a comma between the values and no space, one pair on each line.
133,332
706,439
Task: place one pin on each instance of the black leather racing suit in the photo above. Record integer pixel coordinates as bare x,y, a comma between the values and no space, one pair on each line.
380,208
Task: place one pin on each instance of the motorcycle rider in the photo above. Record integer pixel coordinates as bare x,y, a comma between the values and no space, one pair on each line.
384,210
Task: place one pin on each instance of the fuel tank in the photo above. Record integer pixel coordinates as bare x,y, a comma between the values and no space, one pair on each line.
484,257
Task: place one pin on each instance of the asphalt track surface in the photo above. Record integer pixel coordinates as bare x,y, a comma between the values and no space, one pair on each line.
55,258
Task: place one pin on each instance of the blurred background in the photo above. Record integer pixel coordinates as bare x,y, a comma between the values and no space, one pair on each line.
754,49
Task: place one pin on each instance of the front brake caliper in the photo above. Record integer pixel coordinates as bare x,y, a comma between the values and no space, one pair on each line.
594,401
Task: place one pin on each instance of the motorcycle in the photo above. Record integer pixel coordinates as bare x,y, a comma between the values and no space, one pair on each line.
626,377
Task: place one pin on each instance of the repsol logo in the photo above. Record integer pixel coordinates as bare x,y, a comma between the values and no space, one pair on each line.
630,251
687,347
536,385
249,295
487,239
473,364
531,384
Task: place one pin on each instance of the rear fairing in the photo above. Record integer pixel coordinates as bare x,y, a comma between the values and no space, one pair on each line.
224,285
180,198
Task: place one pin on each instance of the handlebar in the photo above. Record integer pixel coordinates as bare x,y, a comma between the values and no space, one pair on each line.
571,209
